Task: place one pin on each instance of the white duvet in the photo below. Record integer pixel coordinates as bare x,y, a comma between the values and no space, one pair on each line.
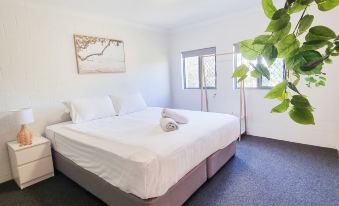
134,154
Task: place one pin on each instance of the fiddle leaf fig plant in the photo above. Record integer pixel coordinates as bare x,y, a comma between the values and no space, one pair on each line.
305,49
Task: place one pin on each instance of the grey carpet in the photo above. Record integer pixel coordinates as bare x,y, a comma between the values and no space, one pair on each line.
263,172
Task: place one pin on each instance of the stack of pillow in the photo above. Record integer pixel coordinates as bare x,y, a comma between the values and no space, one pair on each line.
87,109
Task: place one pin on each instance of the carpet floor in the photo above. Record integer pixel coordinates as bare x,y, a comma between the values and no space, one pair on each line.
263,172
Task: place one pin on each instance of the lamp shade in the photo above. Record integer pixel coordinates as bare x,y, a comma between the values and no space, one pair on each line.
24,116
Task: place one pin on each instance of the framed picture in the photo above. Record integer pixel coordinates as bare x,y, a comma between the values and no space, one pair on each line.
99,55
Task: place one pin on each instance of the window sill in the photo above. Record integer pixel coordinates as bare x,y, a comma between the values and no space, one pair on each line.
256,88
199,88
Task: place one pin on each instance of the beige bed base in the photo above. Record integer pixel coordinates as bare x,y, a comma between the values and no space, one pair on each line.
175,196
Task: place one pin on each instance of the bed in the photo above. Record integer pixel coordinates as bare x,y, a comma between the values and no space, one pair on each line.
129,160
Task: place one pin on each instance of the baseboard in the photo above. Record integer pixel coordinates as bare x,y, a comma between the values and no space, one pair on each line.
5,178
293,141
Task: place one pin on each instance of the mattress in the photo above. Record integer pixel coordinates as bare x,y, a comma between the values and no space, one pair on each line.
133,153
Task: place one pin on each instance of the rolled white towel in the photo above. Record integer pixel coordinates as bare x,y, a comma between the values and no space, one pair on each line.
168,124
179,118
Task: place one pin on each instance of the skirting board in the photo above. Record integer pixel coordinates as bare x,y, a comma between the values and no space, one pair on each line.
5,178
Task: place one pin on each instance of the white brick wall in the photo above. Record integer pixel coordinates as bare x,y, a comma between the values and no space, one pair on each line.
38,67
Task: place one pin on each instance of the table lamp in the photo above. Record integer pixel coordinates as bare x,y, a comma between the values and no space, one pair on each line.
24,117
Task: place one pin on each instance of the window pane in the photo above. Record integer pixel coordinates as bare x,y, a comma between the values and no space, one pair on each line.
191,72
276,72
250,82
209,65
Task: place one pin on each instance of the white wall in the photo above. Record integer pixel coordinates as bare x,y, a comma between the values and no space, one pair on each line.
223,33
38,67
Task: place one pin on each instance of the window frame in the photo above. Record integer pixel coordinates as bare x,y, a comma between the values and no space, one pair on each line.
202,53
259,80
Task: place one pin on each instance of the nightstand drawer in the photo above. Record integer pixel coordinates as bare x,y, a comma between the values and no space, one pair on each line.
35,169
33,153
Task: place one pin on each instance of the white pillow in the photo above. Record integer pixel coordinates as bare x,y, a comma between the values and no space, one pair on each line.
129,103
83,110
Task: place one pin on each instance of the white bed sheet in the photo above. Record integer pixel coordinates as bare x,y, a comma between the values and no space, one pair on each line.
133,153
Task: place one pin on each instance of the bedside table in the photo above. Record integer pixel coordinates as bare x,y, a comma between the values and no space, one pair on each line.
31,163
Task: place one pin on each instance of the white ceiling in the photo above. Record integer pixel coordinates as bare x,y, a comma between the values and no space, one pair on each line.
164,14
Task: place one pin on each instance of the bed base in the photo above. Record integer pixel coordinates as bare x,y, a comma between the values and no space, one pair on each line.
219,159
175,196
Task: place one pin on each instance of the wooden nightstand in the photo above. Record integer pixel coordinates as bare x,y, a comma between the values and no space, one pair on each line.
31,163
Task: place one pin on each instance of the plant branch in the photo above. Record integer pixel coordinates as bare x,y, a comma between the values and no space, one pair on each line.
302,15
95,54
286,4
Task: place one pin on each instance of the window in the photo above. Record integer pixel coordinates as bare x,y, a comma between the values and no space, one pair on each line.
193,63
276,71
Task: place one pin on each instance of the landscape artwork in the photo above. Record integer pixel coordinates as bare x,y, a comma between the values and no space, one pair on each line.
99,55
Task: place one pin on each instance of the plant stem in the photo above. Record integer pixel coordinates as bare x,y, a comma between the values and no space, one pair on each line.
302,15
286,4
287,72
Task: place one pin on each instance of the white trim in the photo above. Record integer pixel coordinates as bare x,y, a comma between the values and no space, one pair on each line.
5,178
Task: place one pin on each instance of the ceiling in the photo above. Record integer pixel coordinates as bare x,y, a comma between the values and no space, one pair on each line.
164,14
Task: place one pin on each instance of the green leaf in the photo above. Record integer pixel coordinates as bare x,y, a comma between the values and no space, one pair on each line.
302,115
300,101
320,83
280,20
293,87
314,44
279,13
330,48
305,23
307,62
240,71
277,91
311,60
262,39
296,7
283,97
288,46
250,50
262,69
320,33
268,7
305,2
270,53
254,74
279,35
281,107
310,79
328,61
293,63
325,5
